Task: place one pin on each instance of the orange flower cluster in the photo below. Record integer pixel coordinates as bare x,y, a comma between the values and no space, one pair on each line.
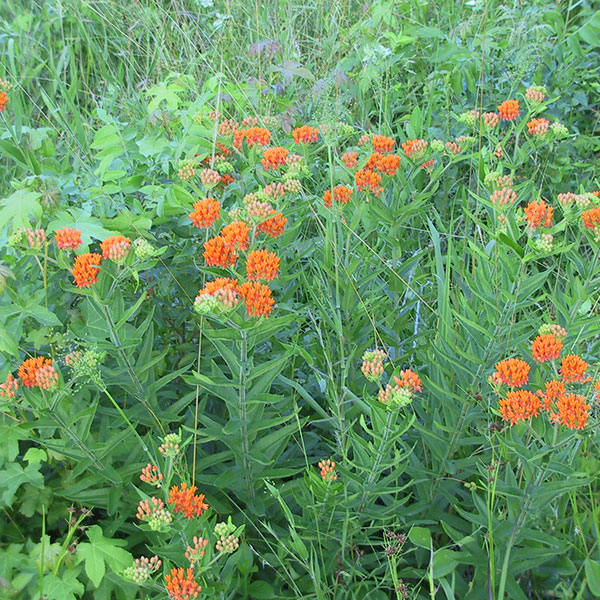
67,238
3,100
273,158
205,212
10,387
591,218
350,159
491,119
563,407
274,226
258,298
236,234
538,213
186,502
341,194
115,247
222,289
150,474
546,347
37,372
305,134
519,405
85,269
572,411
387,164
253,135
509,110
409,379
573,369
262,264
218,252
554,390
538,126
382,144
182,586
513,372
196,552
504,196
367,180
327,468
415,147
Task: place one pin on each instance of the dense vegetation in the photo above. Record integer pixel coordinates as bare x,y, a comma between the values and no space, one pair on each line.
299,300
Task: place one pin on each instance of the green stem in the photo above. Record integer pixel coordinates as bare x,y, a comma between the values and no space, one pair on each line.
129,424
114,336
382,444
244,411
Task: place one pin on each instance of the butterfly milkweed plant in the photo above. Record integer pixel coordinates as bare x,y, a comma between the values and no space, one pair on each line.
289,323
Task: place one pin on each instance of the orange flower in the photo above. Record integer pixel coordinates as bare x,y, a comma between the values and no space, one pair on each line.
262,264
372,163
186,501
591,218
205,212
258,298
409,379
513,372
46,377
416,146
327,468
85,269
427,164
253,135
572,411
3,100
519,405
274,157
67,238
220,283
538,213
10,387
218,252
509,110
389,164
180,586
382,144
573,369
538,126
350,159
274,226
226,179
341,194
115,247
29,369
368,180
305,134
546,347
554,391
504,196
491,119
236,235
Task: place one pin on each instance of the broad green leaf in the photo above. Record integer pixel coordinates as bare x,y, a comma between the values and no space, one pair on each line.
101,551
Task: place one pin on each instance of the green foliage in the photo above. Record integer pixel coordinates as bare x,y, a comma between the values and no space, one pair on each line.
442,496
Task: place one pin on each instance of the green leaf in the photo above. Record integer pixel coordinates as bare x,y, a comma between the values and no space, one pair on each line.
100,552
420,536
14,476
592,574
19,207
261,589
444,562
7,342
